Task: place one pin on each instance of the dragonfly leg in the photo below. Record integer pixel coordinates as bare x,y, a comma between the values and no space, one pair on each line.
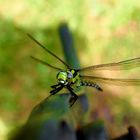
54,86
73,98
55,90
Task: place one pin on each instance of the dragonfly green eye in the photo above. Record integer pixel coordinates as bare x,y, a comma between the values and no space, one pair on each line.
62,77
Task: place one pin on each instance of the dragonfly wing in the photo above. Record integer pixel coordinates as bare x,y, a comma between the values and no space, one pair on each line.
118,82
122,65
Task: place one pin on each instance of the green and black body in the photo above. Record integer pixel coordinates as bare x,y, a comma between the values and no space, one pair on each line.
72,78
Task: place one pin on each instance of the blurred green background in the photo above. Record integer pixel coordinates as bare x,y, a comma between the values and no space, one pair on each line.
103,31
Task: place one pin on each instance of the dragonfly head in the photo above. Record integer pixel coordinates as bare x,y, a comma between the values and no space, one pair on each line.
62,77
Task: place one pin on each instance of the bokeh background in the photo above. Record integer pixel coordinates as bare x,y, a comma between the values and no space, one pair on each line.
103,31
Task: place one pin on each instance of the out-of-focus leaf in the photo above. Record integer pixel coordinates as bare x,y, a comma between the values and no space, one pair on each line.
47,121
68,46
51,107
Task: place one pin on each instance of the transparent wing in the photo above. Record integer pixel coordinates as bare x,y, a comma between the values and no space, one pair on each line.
45,63
49,51
122,65
118,82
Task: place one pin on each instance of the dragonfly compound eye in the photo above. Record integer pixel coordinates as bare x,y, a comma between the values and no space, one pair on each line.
62,77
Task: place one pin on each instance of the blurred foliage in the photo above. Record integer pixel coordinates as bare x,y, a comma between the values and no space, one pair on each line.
47,116
103,31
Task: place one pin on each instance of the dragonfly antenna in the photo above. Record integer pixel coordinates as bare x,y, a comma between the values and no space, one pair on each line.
48,50
45,63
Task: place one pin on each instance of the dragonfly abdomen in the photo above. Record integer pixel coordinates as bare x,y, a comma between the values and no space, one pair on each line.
91,84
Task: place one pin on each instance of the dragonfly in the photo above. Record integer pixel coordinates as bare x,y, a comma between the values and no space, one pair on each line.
72,78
